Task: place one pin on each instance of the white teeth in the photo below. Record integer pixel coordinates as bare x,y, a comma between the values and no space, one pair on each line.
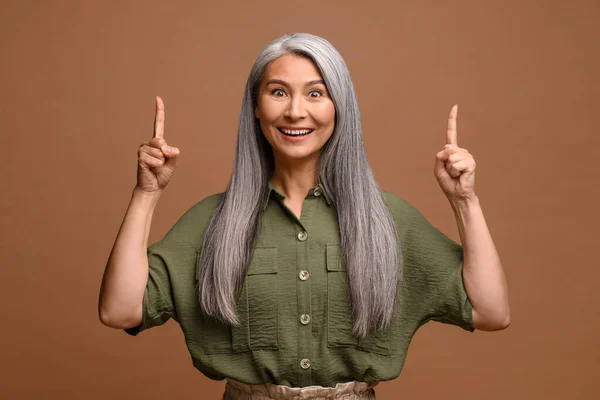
296,132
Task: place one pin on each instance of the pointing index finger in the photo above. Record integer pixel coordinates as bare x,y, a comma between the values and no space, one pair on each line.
159,118
451,134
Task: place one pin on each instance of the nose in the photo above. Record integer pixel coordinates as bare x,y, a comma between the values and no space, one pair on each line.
295,109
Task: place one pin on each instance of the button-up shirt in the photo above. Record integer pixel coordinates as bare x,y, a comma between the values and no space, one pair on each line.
295,310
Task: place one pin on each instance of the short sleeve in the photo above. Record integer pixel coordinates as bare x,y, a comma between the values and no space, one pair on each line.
441,262
172,267
158,305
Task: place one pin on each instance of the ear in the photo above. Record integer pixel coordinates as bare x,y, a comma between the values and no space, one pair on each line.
256,112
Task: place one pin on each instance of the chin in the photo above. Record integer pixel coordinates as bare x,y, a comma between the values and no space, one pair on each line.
296,154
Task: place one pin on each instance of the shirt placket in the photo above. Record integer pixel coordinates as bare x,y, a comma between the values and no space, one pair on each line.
302,231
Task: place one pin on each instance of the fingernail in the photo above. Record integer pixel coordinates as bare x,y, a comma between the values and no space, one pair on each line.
167,149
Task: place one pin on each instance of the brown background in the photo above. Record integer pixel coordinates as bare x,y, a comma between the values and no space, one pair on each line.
77,98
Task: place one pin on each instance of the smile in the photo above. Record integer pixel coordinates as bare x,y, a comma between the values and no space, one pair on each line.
295,132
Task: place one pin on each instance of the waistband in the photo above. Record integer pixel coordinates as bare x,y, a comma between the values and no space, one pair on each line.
354,390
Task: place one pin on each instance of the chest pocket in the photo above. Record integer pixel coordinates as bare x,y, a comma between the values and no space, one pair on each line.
257,306
340,320
257,309
339,308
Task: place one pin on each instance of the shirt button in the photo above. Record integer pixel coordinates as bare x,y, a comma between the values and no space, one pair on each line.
304,275
302,236
305,363
305,319
317,191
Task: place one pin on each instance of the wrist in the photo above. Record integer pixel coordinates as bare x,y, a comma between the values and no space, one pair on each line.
144,197
465,204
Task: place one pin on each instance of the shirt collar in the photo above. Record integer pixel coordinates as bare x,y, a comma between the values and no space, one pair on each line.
271,190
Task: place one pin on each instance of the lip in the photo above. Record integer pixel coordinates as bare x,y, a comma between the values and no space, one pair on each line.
294,138
295,128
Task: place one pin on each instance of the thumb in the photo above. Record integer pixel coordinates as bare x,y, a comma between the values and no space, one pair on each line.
440,163
172,156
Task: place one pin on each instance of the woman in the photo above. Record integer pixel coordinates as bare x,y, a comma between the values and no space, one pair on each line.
303,277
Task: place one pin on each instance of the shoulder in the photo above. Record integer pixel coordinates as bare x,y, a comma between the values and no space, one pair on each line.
393,200
203,208
190,226
207,205
411,223
202,211
402,211
419,235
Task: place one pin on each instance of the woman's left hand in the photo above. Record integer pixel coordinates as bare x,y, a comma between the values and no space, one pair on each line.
454,166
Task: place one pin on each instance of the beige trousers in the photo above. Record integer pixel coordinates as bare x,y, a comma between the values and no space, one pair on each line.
354,390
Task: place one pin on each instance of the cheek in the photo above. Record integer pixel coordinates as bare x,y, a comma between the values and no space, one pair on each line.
325,114
268,111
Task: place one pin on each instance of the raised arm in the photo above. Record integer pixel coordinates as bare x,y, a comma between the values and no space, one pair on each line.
484,278
126,272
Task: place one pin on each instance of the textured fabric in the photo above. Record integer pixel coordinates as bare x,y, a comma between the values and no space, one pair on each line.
296,318
235,390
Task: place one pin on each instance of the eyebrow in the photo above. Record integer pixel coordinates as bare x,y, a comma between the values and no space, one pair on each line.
309,83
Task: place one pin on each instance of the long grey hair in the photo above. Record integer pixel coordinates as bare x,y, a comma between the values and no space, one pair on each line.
369,240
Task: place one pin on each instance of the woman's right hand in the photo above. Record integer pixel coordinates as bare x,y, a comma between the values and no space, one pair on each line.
156,160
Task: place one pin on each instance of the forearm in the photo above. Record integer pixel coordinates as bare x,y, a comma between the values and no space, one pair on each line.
126,273
483,274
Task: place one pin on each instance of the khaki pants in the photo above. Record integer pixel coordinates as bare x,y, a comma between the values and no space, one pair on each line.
354,390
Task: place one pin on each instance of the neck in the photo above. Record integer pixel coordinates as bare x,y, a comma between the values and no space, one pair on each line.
293,178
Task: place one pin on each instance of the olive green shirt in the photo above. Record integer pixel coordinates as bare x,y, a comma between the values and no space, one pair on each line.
295,311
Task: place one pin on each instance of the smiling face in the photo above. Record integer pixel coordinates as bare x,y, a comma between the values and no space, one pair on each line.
296,113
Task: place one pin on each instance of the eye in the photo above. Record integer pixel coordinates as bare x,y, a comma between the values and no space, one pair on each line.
315,91
276,92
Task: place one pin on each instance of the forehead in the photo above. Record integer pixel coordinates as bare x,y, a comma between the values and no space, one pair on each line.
292,68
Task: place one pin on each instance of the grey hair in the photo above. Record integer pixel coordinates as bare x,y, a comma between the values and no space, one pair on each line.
369,238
